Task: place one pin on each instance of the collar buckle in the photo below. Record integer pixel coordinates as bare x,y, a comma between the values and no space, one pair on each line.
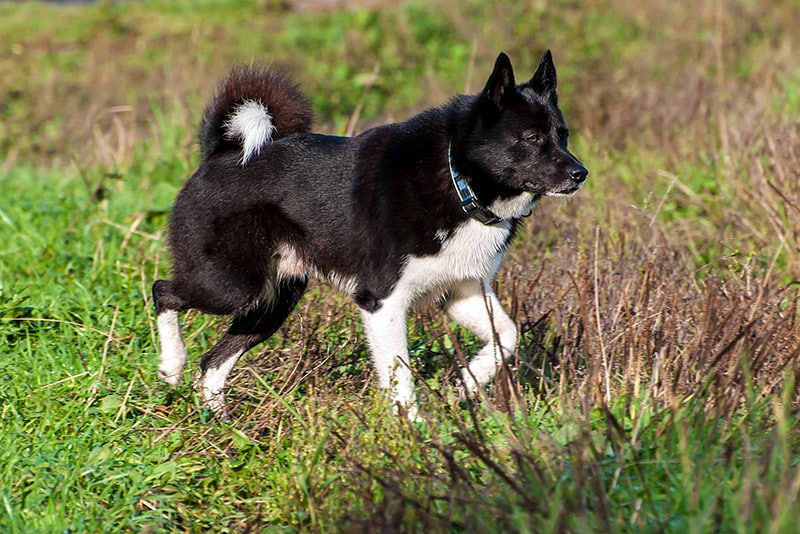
469,202
475,210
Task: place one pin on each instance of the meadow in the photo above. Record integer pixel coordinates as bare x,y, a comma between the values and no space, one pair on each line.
656,386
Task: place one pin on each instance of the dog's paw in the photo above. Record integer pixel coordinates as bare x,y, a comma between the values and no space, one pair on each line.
170,368
410,411
171,376
215,401
467,388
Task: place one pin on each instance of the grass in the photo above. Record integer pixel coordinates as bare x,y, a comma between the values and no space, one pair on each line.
655,387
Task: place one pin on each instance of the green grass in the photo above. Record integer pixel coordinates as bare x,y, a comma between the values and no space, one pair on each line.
655,387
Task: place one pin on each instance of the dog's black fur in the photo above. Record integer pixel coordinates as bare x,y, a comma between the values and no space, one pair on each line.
355,209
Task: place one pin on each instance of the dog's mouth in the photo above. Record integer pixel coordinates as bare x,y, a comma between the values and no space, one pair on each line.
565,192
539,191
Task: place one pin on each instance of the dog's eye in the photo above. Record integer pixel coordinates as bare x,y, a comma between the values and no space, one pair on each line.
534,138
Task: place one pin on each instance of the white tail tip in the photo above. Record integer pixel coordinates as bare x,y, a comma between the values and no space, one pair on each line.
252,125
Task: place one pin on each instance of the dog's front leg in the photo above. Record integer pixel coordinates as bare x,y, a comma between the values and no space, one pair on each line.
386,335
474,306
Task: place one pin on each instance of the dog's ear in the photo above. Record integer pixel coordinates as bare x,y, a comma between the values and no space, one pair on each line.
501,82
544,80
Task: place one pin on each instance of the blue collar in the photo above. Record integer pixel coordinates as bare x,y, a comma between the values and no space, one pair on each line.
469,202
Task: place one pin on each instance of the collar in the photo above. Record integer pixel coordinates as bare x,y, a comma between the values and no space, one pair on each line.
469,202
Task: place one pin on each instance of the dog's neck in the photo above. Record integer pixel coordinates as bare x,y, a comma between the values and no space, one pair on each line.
469,202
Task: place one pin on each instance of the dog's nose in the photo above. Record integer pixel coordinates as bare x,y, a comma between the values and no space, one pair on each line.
579,173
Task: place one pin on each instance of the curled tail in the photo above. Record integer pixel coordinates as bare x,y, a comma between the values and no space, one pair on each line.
253,106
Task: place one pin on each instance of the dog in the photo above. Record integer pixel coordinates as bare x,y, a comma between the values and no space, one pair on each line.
422,209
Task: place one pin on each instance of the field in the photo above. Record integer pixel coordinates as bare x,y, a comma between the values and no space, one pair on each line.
656,386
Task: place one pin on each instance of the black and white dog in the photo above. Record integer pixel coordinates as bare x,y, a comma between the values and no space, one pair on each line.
419,209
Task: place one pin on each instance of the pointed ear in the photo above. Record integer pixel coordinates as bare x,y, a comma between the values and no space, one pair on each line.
544,80
501,81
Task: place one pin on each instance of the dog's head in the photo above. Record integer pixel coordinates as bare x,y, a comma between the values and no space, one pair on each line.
518,138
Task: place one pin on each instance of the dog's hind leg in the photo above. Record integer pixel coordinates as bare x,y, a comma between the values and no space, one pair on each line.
173,352
475,307
247,330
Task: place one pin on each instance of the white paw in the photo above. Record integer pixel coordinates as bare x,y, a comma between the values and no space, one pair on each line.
411,411
171,375
467,386
215,401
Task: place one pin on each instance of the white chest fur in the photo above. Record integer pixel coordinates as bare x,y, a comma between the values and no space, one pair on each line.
473,251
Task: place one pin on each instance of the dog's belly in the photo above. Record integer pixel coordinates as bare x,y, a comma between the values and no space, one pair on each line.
471,252
291,264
